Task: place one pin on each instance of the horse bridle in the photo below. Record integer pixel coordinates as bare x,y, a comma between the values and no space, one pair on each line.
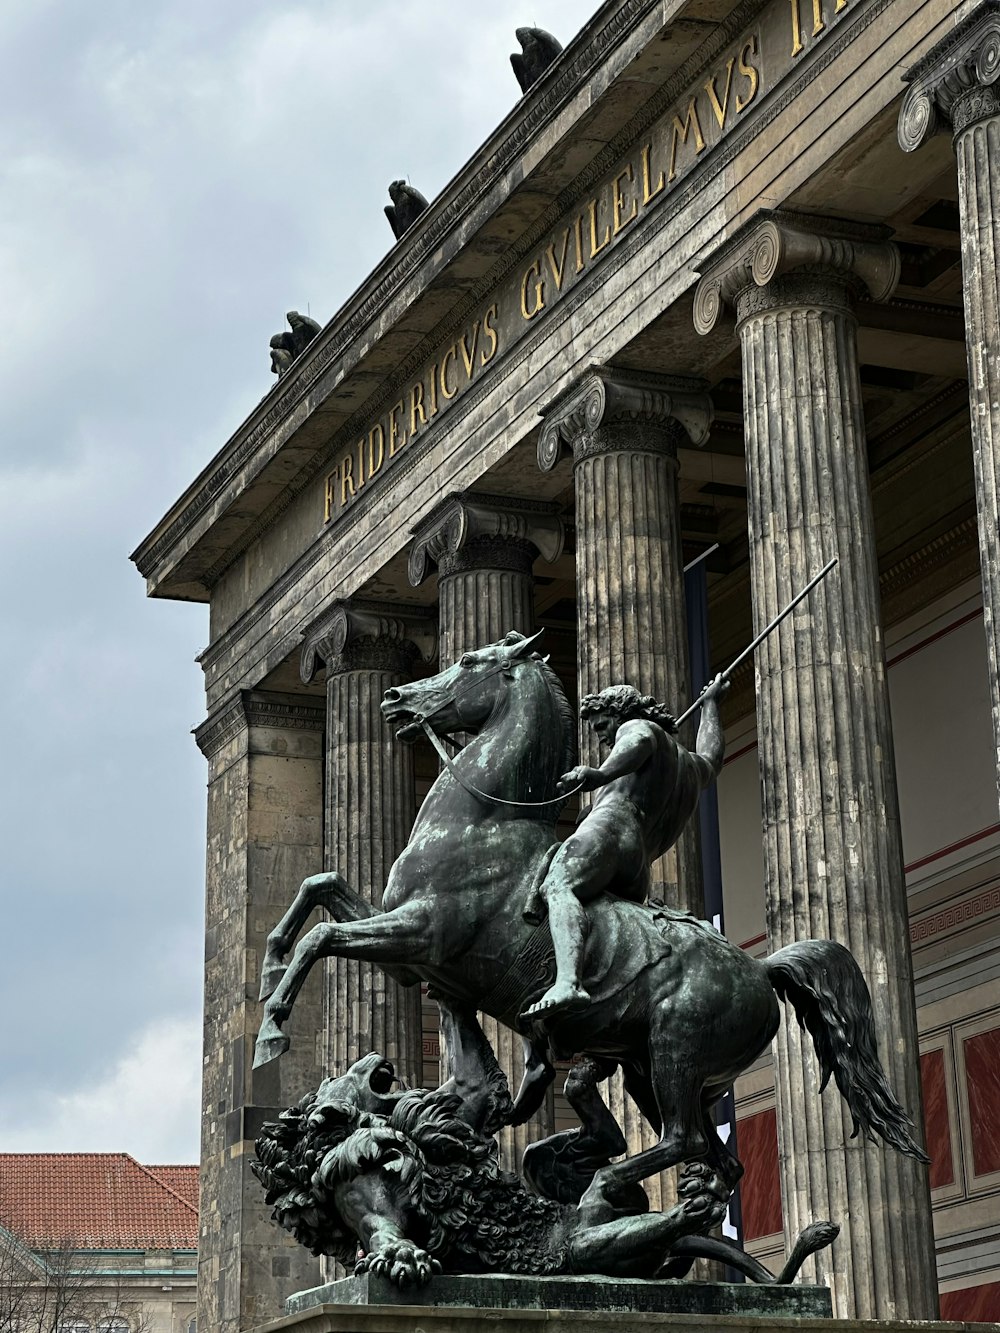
421,720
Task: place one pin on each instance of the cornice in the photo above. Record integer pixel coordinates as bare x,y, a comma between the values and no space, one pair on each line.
604,394
471,518
257,708
773,244
957,83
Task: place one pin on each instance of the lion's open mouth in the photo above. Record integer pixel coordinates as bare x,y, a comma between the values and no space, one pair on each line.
382,1077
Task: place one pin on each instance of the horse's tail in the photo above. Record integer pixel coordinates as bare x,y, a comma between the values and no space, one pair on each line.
826,988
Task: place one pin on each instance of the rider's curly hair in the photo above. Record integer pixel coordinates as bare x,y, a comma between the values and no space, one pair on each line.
626,702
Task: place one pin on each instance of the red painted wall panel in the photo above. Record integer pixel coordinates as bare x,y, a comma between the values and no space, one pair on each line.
760,1189
937,1129
976,1304
982,1073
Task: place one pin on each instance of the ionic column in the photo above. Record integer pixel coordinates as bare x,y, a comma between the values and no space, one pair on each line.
265,835
956,86
832,850
624,431
370,808
484,548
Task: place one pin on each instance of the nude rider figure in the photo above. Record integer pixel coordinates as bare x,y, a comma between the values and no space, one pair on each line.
649,787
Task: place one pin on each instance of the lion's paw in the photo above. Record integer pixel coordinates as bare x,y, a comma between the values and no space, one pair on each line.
401,1262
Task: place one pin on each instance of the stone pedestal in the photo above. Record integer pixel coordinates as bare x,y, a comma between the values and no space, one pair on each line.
493,1292
957,87
833,856
624,431
484,548
370,808
265,835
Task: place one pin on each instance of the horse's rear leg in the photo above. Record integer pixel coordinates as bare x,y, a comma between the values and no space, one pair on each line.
396,937
677,1077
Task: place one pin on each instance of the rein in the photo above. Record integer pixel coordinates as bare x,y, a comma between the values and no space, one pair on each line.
449,763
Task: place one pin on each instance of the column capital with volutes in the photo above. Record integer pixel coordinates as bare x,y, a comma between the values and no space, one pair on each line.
475,530
957,83
604,396
786,259
359,635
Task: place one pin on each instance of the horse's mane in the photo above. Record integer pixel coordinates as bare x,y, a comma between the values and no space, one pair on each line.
565,710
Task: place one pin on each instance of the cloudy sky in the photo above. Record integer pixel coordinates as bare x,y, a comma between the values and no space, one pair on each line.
174,176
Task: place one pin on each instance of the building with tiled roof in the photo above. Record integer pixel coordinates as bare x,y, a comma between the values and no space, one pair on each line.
117,1238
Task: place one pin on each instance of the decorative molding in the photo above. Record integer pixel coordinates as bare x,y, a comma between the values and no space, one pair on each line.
604,395
257,708
367,635
957,83
774,244
496,523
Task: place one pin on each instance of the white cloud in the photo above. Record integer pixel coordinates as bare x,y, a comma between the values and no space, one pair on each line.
147,1105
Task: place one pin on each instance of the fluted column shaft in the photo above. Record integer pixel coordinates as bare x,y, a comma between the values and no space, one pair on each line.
624,434
631,621
832,847
956,86
832,850
370,809
485,553
371,806
483,591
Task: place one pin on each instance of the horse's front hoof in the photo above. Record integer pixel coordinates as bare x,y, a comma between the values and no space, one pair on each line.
270,979
271,1042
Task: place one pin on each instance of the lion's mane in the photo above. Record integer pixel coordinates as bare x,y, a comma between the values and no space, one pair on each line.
476,1216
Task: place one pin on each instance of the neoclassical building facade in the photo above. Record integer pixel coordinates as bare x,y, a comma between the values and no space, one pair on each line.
721,291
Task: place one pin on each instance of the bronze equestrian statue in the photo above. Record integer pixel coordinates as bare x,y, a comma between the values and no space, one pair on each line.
672,1002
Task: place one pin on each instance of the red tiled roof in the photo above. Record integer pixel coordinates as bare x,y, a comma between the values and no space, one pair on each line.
96,1201
183,1180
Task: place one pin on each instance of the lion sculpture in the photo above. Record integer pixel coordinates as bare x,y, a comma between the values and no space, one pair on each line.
404,1184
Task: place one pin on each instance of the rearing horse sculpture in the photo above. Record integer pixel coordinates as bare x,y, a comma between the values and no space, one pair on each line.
679,1008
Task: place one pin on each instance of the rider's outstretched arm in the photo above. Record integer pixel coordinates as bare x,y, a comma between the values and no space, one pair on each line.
711,743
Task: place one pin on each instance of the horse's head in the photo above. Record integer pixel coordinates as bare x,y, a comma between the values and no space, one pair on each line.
464,696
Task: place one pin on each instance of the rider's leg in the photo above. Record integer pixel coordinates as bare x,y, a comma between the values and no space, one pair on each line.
579,872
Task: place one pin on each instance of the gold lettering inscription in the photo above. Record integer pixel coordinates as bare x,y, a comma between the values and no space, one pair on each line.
649,195
450,355
328,495
679,134
558,269
596,249
720,108
618,202
361,462
417,406
490,330
539,299
346,478
578,235
796,28
378,433
749,72
469,354
432,385
818,24
396,439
